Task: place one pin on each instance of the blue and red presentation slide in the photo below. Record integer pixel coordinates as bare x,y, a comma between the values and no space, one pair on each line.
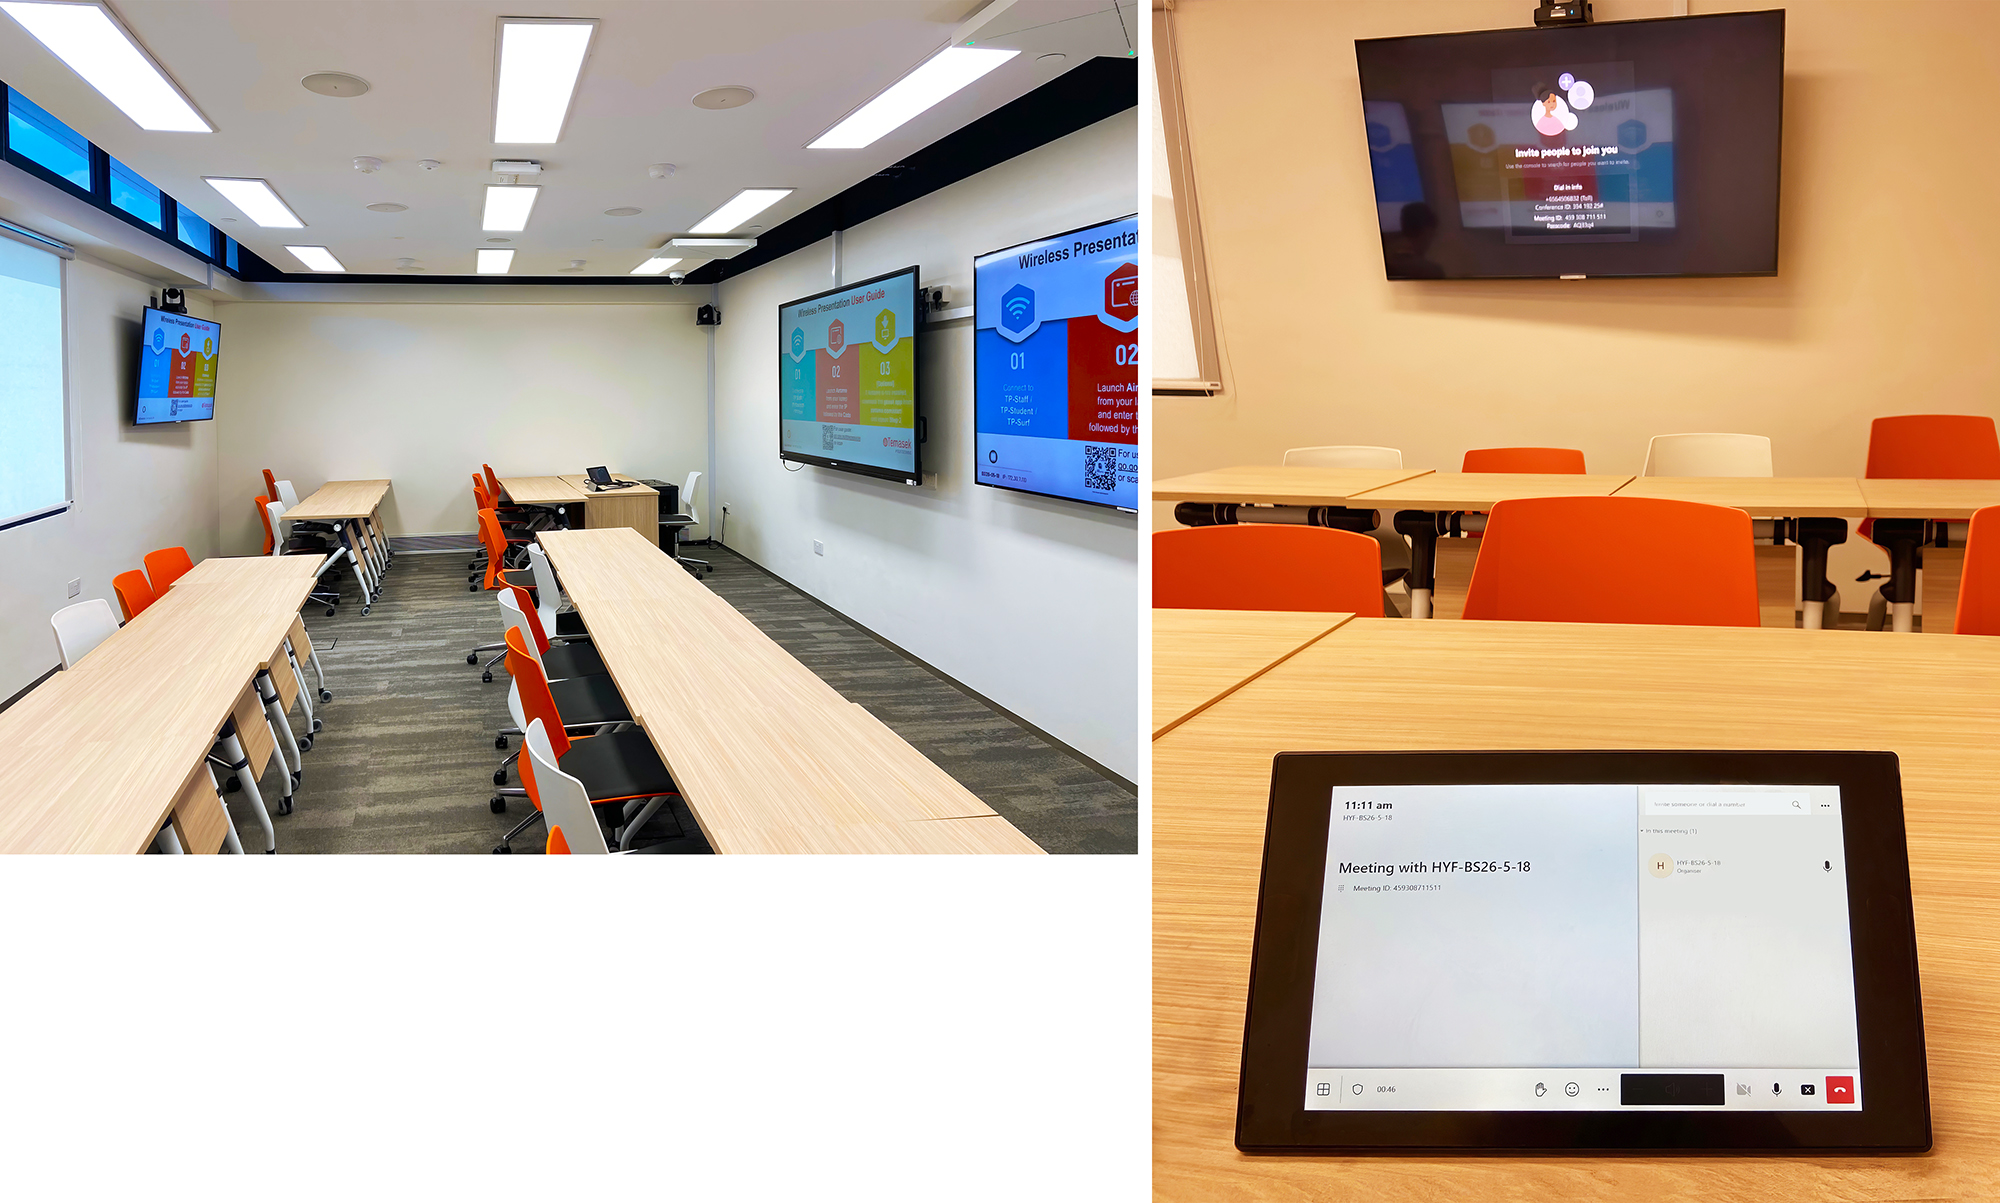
847,373
1056,377
177,364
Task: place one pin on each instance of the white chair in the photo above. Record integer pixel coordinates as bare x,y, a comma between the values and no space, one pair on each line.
1708,455
1343,457
1395,548
566,805
676,524
557,623
81,627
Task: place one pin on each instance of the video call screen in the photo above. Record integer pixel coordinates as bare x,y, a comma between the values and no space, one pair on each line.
1636,148
1584,948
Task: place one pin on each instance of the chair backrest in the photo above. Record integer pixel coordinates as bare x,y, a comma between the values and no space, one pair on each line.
547,586
496,547
1555,461
536,700
275,513
481,498
564,801
516,612
287,494
1267,568
270,484
134,594
688,495
264,516
81,627
557,845
1934,447
1708,455
1344,457
492,484
1979,585
166,566
1615,559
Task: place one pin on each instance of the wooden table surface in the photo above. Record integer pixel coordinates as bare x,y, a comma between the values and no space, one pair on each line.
216,570
1271,484
1944,500
1485,685
578,479
337,500
1762,496
540,490
98,754
1200,656
768,756
1480,490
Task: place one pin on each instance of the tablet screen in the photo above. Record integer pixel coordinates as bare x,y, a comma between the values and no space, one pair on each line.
1584,947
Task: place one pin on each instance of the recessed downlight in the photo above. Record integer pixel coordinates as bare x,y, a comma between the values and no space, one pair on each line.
334,83
387,207
623,211
734,96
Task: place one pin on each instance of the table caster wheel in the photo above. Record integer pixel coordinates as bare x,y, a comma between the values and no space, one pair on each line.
500,776
298,777
472,588
472,657
284,806
306,744
365,609
329,611
318,726
326,695
487,676
500,742
232,786
502,850
497,804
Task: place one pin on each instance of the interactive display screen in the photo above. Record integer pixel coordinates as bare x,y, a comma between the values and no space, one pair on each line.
847,378
178,356
1584,948
1632,148
1056,351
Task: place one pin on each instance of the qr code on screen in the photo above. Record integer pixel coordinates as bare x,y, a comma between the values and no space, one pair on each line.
1100,468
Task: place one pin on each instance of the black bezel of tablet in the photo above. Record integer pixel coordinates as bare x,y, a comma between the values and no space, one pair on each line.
1270,1112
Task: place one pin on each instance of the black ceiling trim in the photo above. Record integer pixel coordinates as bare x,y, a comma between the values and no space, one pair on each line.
1099,88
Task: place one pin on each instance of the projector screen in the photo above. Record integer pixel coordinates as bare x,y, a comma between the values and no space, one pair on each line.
847,378
177,362
1056,365
34,449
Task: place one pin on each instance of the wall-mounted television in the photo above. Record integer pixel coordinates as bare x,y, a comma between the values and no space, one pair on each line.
178,357
1056,365
1629,148
847,378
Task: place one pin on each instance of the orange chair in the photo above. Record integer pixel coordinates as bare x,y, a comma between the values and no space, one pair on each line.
1920,447
497,542
1262,567
1615,559
134,594
1979,587
166,566
1555,461
558,846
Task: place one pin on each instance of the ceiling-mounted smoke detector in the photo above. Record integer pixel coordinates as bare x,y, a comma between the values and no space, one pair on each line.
661,171
367,164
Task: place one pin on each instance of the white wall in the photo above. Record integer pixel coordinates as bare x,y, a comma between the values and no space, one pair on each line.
136,489
1028,601
423,393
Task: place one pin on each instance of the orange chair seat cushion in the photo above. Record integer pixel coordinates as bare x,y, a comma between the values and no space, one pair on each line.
1265,567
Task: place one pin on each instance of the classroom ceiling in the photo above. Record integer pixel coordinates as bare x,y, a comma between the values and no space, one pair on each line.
431,70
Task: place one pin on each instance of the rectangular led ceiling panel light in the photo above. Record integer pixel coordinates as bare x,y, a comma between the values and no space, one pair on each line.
942,74
98,48
507,206
739,209
653,267
731,245
257,201
317,258
539,65
493,262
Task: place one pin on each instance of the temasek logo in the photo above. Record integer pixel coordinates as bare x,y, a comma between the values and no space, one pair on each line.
898,444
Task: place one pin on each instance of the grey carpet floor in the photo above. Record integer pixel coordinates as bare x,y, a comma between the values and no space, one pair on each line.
404,762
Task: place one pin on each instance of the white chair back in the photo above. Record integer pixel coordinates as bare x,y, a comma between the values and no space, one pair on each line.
515,620
565,803
549,600
288,495
1344,457
1708,455
81,627
279,534
688,492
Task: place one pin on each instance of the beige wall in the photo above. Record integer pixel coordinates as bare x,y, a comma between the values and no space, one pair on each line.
422,394
1884,302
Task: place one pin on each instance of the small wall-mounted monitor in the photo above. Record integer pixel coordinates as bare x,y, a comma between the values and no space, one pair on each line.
847,378
178,356
1056,365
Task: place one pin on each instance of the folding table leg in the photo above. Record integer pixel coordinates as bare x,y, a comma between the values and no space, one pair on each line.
362,575
1422,528
281,734
1904,538
233,758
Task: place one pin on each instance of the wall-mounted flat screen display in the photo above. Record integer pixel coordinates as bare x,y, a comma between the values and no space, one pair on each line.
847,378
1056,365
178,356
1629,148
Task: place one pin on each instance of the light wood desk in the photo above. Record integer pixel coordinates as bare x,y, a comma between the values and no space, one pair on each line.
102,754
637,507
1491,685
1201,656
768,756
541,490
1937,501
1267,484
356,505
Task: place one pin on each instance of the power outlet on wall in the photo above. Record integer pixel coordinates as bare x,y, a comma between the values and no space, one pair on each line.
76,587
819,548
